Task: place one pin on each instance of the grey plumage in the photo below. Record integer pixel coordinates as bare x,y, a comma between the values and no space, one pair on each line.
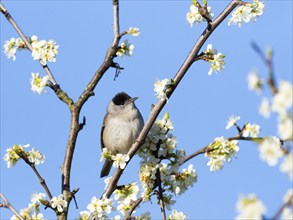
121,126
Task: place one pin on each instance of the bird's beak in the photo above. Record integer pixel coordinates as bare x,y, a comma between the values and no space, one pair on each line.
132,99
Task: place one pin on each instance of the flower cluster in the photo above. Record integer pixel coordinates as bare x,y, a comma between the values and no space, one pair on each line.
160,88
181,181
119,159
133,31
17,151
33,210
11,46
219,151
125,196
39,83
215,59
246,12
250,207
126,49
44,51
161,160
97,209
59,203
195,14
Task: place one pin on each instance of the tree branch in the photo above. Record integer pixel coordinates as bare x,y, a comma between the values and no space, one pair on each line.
179,75
24,38
56,88
8,205
134,206
42,180
86,94
160,195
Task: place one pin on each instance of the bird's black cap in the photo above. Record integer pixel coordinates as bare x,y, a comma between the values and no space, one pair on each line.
120,98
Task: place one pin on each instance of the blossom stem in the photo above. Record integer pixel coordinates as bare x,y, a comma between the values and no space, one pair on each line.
7,203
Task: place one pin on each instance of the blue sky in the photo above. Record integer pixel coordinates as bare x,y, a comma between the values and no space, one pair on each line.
199,108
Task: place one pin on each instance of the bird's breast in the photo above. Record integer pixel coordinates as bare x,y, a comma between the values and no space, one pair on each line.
120,133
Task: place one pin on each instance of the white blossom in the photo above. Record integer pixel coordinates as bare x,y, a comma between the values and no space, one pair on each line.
246,12
59,202
43,50
39,83
133,31
254,82
264,108
270,150
126,49
287,165
11,46
219,151
100,206
217,61
284,98
232,121
120,160
193,16
11,157
160,88
242,13
84,215
251,130
177,215
35,157
250,207
36,197
285,127
257,9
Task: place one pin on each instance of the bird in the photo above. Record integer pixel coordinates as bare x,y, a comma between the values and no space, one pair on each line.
121,127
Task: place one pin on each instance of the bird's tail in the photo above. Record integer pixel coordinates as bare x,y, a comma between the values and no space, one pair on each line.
106,168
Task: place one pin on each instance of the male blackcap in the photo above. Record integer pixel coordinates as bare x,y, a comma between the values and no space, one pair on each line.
122,125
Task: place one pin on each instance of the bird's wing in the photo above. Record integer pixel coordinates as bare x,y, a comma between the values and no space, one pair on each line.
102,130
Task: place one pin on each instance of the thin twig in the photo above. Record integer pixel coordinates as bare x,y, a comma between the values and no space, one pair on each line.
269,64
23,155
42,180
178,77
116,25
9,206
280,210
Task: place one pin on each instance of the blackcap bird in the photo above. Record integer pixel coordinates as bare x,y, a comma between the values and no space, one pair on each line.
122,125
